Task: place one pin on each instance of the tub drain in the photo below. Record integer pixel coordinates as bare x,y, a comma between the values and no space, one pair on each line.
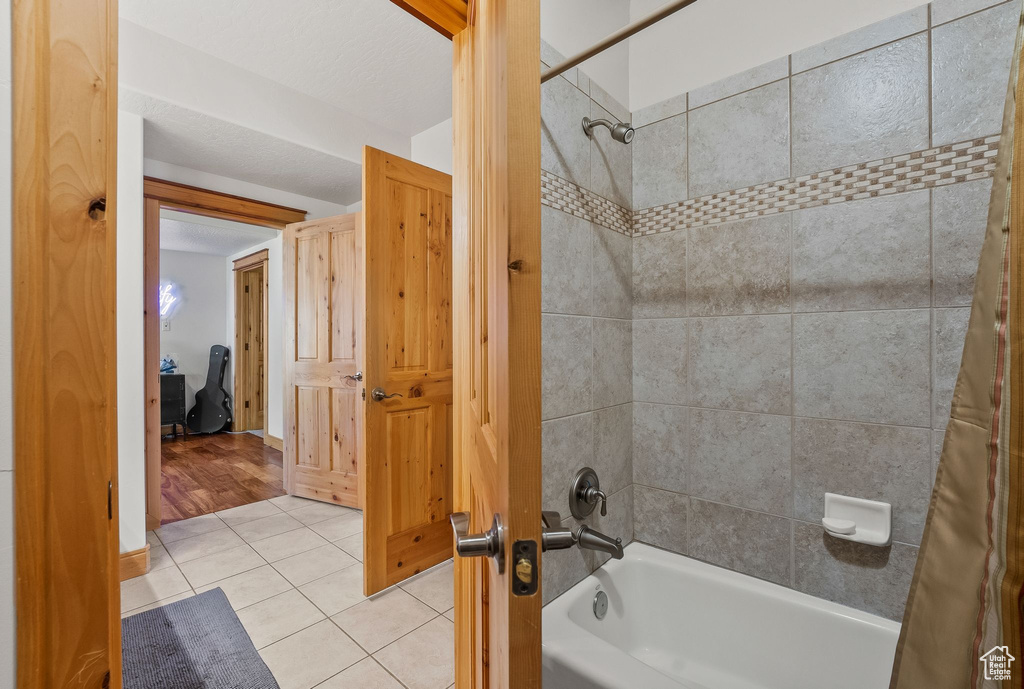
600,605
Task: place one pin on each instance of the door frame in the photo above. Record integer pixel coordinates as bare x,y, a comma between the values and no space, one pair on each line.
63,304
162,194
259,260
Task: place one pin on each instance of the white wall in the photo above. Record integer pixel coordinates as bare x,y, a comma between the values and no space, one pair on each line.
275,329
197,322
709,41
433,147
570,26
6,411
131,363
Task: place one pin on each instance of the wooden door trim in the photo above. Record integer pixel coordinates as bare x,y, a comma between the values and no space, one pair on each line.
447,17
215,204
256,261
63,274
134,563
159,193
250,261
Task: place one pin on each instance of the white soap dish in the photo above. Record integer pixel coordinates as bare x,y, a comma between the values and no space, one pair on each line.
856,519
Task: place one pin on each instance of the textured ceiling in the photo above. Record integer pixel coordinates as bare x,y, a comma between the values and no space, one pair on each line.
189,138
220,240
365,56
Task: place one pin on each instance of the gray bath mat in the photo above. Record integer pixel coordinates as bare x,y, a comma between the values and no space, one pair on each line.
196,643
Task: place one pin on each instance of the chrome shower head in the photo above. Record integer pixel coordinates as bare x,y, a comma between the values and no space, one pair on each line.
621,131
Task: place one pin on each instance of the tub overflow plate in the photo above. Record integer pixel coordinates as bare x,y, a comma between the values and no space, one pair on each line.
600,605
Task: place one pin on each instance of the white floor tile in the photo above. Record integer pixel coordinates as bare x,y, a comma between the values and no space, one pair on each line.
152,587
250,587
435,587
450,614
313,564
228,563
248,513
319,511
287,544
366,674
353,545
424,658
306,659
265,527
159,558
341,526
378,621
336,592
275,618
195,547
175,531
290,502
159,603
152,539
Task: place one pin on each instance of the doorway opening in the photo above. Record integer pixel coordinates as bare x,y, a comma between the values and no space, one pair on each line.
210,259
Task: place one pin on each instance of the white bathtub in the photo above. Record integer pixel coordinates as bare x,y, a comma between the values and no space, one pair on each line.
675,622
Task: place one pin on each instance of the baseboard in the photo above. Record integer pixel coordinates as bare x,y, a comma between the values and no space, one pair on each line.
135,563
152,522
275,443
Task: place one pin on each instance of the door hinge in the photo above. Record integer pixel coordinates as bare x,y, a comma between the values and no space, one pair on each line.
364,394
110,500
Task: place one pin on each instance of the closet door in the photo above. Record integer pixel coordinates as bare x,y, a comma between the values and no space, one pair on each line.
323,277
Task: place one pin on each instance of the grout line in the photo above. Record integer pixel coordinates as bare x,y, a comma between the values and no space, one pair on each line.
969,14
760,413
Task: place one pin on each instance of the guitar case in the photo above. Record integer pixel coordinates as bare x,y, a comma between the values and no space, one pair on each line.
212,411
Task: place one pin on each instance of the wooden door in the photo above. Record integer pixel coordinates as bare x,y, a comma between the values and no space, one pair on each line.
408,470
250,342
323,278
63,270
496,127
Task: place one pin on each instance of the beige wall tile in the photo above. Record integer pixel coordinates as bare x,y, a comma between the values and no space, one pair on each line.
739,267
741,363
863,366
886,463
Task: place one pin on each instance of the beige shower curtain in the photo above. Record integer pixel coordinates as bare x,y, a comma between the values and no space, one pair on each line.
966,596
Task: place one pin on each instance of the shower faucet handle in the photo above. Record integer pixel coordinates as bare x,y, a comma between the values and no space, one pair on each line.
584,493
592,495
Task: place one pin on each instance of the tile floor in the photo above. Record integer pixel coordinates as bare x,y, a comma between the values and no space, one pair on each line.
291,569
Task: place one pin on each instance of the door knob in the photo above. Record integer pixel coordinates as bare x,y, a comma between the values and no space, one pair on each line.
490,544
357,376
379,395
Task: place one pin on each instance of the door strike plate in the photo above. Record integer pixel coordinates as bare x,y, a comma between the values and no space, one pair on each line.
525,568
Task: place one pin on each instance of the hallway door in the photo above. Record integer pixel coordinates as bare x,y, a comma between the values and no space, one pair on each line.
323,285
408,470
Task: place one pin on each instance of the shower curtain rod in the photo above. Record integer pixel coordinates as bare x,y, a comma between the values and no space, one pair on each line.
617,37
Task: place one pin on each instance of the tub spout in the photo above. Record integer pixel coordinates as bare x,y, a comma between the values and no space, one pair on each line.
595,540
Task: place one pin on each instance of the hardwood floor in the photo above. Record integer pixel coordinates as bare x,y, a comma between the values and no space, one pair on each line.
209,473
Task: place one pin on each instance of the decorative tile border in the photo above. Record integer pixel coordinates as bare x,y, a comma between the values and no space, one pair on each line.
933,167
924,169
571,198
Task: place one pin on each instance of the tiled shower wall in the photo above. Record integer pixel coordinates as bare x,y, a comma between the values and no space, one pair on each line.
805,239
587,324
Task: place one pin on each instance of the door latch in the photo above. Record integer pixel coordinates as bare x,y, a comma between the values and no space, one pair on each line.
490,544
527,574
